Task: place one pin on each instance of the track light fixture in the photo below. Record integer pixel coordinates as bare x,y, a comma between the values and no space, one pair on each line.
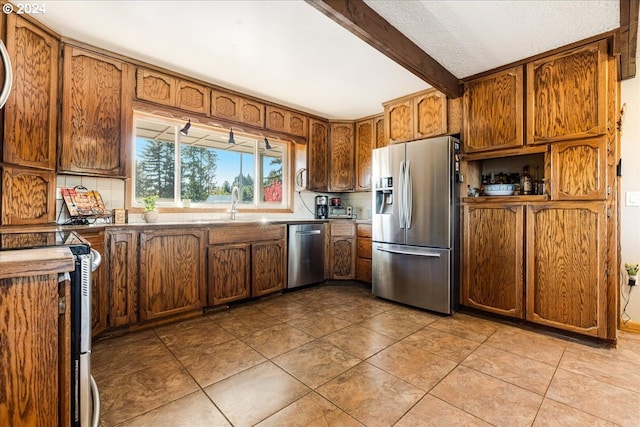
185,130
267,146
231,140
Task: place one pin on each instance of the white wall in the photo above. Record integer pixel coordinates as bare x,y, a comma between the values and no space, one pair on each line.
630,181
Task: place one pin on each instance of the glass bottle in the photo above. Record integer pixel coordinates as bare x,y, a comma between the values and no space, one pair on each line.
525,181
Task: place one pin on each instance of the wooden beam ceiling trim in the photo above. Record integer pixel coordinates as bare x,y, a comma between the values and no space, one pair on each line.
364,22
628,37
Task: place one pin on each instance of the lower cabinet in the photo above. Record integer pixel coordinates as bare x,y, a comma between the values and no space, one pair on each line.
244,261
363,252
121,265
172,272
564,248
342,250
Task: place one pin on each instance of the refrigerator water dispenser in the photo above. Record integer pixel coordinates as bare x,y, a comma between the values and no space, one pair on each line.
384,195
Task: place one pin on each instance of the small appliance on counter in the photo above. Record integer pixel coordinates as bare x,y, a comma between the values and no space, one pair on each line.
322,207
344,212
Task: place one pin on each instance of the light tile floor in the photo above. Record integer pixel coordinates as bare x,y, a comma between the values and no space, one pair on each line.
336,356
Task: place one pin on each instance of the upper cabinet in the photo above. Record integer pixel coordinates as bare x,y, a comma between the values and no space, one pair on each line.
30,119
566,94
342,155
579,169
155,87
237,108
418,116
493,116
318,155
281,120
28,196
96,114
193,97
365,133
379,138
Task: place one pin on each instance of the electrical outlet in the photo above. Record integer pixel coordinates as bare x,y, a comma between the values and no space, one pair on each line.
633,198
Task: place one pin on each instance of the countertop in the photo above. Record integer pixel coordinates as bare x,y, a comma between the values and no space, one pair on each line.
33,262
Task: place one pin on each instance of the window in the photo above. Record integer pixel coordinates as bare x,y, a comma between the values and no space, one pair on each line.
204,168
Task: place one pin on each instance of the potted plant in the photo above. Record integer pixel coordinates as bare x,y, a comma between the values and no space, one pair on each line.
632,272
150,210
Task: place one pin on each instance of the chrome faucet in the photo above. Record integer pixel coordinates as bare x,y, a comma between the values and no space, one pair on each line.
235,198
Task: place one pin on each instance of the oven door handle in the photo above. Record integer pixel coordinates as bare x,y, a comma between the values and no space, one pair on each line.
95,420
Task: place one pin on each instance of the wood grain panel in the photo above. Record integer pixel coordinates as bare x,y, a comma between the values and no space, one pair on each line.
225,105
122,277
243,233
379,136
398,121
566,268
193,97
364,147
363,270
31,112
492,275
318,155
29,355
430,114
566,94
342,228
268,267
363,248
156,87
28,196
364,230
342,154
171,272
454,116
252,112
493,111
96,114
578,170
229,273
297,124
343,258
276,119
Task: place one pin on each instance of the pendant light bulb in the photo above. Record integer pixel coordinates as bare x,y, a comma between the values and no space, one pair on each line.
185,130
231,140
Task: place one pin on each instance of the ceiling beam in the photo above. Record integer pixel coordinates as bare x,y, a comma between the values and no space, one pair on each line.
364,22
628,37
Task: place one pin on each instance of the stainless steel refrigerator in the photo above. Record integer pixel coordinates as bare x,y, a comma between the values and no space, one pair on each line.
415,223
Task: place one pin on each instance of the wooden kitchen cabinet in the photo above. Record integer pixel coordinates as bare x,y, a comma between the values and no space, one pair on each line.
379,138
229,273
156,87
492,258
579,169
493,111
566,280
363,253
99,304
193,97
237,108
318,155
430,114
342,250
122,277
342,157
398,120
365,133
96,114
172,272
28,196
269,266
283,120
567,94
31,113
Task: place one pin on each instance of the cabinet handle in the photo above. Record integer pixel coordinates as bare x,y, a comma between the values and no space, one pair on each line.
307,233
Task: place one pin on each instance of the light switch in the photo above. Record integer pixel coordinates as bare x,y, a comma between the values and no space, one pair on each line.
633,198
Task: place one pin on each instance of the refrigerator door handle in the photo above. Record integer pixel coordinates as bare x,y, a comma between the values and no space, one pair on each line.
409,196
401,190
409,252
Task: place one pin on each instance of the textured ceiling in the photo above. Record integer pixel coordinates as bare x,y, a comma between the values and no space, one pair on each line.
290,53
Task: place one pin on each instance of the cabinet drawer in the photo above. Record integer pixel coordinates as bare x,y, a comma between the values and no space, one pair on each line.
363,248
245,233
343,229
364,230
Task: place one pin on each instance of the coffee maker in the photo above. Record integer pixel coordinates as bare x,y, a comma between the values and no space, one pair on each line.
322,207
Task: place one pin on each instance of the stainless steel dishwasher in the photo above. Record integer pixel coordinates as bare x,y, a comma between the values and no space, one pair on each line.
306,254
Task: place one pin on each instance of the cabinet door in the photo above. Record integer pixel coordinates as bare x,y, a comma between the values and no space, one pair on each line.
282,120
30,126
364,147
363,253
430,114
492,260
96,114
566,266
192,97
342,254
30,363
379,137
98,284
579,170
268,269
318,155
342,154
28,196
566,94
172,272
122,277
225,105
398,121
156,87
229,273
492,111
